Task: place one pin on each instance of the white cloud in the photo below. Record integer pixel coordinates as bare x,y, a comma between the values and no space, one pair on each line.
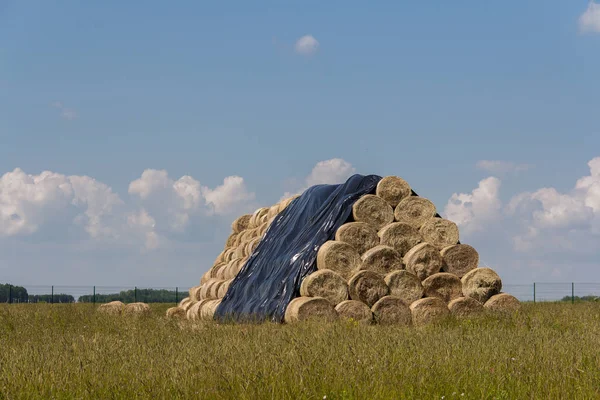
498,167
333,171
230,197
307,45
473,211
589,21
65,112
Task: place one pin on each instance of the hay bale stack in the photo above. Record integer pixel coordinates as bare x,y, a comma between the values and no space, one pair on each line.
404,285
502,302
303,308
440,232
195,311
207,311
392,310
359,235
137,309
112,308
393,189
205,290
464,307
176,313
186,303
444,286
423,260
459,259
481,284
414,211
355,310
339,257
373,210
255,219
231,239
382,260
368,287
241,223
195,293
214,289
428,310
327,284
224,288
400,236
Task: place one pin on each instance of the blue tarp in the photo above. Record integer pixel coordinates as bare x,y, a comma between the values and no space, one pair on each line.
271,277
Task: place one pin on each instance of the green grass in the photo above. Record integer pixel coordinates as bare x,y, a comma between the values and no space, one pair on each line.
545,351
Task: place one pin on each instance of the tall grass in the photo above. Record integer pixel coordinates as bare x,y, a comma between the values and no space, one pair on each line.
546,351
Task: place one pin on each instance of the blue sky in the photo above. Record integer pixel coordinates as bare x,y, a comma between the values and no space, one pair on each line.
443,94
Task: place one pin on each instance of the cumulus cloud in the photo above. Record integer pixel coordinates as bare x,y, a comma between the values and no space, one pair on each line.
65,112
306,45
499,167
589,21
333,171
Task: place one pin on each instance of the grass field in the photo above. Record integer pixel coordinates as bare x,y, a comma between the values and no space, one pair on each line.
546,351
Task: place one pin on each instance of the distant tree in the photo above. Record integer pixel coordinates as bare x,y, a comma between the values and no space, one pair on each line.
583,298
16,294
129,296
49,298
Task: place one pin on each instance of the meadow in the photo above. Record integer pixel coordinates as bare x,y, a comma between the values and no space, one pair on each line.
69,351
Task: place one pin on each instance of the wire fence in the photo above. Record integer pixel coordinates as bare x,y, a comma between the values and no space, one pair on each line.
534,292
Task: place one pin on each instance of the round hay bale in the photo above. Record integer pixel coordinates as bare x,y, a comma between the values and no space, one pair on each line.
502,302
355,310
205,290
224,288
195,293
240,251
423,260
439,232
382,260
194,313
229,253
414,211
400,236
241,223
459,259
256,216
339,257
481,284
218,271
205,277
404,285
464,307
373,210
112,308
186,303
327,284
137,309
368,287
444,286
264,218
428,310
264,228
360,235
231,239
208,309
392,310
233,268
220,258
251,246
176,313
248,235
273,211
214,289
393,189
303,308
286,202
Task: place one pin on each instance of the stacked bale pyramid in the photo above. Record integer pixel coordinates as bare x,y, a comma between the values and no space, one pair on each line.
395,262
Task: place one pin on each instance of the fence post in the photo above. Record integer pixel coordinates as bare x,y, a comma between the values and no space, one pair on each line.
534,292
176,295
52,296
572,292
94,298
135,294
9,294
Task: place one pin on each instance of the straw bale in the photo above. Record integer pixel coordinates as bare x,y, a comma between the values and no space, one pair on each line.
205,277
240,251
286,202
264,218
339,257
382,260
208,309
464,307
229,253
205,290
217,271
214,289
303,308
393,189
220,258
256,216
327,284
443,285
241,223
251,246
356,310
372,210
195,293
176,313
186,303
224,288
439,232
392,310
502,302
459,259
233,268
360,235
231,239
264,228
423,260
368,287
404,285
481,284
112,308
428,310
273,211
400,236
415,211
137,309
